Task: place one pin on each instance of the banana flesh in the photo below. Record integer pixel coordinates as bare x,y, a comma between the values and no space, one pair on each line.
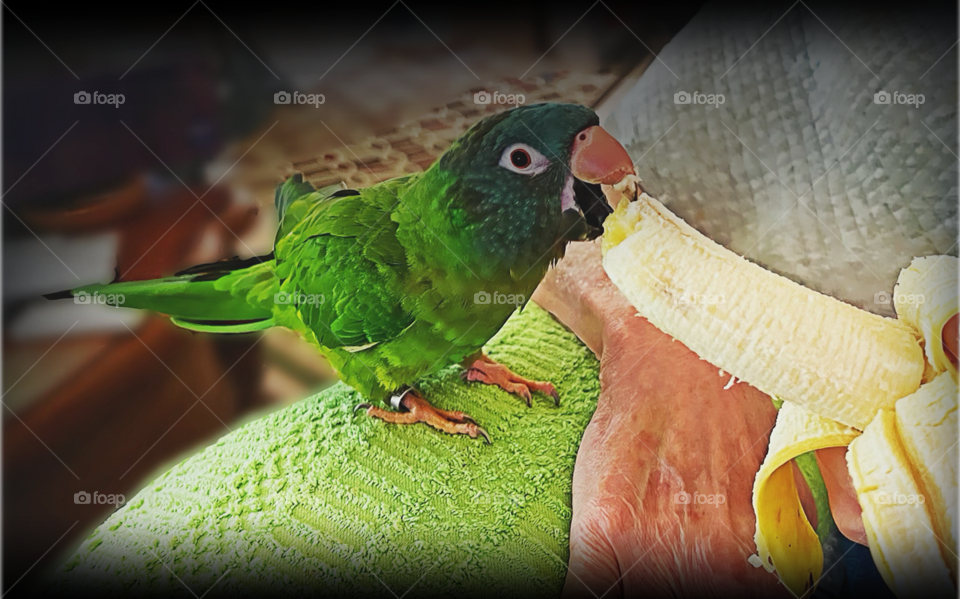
787,340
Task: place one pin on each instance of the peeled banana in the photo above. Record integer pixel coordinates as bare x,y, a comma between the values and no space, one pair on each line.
787,340
839,370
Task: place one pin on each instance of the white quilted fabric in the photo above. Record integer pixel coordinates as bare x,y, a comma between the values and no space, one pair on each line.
798,169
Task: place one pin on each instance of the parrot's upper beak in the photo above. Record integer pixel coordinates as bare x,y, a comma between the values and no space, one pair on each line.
596,158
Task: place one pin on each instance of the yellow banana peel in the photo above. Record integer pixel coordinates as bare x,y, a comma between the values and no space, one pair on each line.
786,542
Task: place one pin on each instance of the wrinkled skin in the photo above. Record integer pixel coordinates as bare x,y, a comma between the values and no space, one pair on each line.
664,424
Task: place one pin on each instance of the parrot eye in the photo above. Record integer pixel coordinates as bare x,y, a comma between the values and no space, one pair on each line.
522,159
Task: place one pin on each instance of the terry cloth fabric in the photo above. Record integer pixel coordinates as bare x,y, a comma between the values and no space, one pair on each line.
315,500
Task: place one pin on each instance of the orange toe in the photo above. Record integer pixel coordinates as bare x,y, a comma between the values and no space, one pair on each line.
413,409
485,370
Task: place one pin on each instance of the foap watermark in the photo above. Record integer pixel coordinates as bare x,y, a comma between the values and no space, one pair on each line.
297,298
701,299
314,100
696,498
903,299
103,299
884,97
886,498
114,100
484,97
84,498
696,97
483,298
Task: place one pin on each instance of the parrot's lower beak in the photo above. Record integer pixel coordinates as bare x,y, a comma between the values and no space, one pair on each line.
596,157
584,209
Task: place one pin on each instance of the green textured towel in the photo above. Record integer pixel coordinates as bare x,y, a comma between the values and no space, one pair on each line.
316,500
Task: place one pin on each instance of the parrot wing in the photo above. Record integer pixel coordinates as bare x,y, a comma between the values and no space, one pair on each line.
295,198
343,270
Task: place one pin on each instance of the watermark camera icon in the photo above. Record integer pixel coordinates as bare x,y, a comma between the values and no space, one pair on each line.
96,498
96,97
298,298
899,299
699,499
914,499
105,299
698,97
282,298
898,97
481,297
483,97
285,97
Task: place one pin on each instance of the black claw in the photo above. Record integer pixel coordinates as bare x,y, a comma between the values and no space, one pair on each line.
468,418
365,406
556,397
464,374
485,435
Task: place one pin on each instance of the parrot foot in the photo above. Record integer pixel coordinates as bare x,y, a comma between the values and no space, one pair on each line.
411,408
486,371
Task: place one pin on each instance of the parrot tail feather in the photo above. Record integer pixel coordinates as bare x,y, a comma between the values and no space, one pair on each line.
223,327
212,271
229,296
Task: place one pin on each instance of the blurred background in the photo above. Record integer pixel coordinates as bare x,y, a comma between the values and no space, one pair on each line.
182,171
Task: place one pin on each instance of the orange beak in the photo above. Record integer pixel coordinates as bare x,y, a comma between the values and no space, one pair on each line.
599,158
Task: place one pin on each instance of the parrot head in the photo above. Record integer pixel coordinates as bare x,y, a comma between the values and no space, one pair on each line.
540,167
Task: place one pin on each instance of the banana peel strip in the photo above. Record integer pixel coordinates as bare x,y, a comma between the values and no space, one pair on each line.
927,425
786,542
896,516
926,297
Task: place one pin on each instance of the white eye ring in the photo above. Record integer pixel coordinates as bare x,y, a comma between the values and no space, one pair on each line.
521,158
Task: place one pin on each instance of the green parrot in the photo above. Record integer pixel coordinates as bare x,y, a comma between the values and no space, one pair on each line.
399,280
